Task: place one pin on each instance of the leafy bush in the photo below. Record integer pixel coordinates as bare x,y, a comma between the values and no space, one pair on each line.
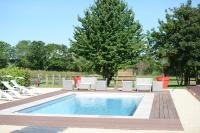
15,72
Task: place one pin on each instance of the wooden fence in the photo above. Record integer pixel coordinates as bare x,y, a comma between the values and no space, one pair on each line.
52,80
49,80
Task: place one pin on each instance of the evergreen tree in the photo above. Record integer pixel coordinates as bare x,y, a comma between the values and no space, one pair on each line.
178,39
109,37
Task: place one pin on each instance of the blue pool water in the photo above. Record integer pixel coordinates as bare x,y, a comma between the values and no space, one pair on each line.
76,105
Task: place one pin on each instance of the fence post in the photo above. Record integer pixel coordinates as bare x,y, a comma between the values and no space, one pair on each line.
53,80
47,80
60,79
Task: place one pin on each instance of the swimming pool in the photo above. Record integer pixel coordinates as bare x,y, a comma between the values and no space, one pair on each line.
76,104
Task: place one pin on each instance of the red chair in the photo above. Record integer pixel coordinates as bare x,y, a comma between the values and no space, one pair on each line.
76,79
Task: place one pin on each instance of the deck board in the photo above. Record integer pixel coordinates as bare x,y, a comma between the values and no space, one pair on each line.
170,109
163,106
195,91
86,122
155,113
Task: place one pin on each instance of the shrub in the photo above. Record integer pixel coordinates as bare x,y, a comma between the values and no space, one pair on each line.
16,72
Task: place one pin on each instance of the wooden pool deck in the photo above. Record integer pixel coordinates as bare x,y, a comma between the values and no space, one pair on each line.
195,91
163,107
163,116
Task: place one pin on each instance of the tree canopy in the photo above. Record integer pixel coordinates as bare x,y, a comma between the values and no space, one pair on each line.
21,51
5,54
57,57
109,37
37,55
178,39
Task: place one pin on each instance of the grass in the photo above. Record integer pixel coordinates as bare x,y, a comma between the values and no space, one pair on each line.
53,79
42,74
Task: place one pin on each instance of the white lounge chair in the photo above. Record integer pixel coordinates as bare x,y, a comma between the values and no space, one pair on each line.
68,84
23,89
127,85
101,85
11,90
87,83
143,84
5,95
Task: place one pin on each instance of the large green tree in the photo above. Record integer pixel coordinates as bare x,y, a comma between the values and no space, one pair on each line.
5,54
57,57
78,63
178,39
21,53
37,55
108,36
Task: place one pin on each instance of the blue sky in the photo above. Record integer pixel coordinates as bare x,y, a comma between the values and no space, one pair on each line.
53,21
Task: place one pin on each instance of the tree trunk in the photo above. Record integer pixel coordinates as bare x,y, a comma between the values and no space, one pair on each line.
108,80
179,77
182,79
108,77
197,79
186,78
107,74
189,79
197,75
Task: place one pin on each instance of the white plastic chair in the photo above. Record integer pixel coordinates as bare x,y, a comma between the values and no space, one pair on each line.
143,84
101,85
157,86
23,89
68,84
5,95
87,83
11,90
127,85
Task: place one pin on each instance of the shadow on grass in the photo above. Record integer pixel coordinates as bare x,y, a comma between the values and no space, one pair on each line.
177,86
39,129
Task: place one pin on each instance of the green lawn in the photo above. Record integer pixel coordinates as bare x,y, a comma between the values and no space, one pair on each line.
53,79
